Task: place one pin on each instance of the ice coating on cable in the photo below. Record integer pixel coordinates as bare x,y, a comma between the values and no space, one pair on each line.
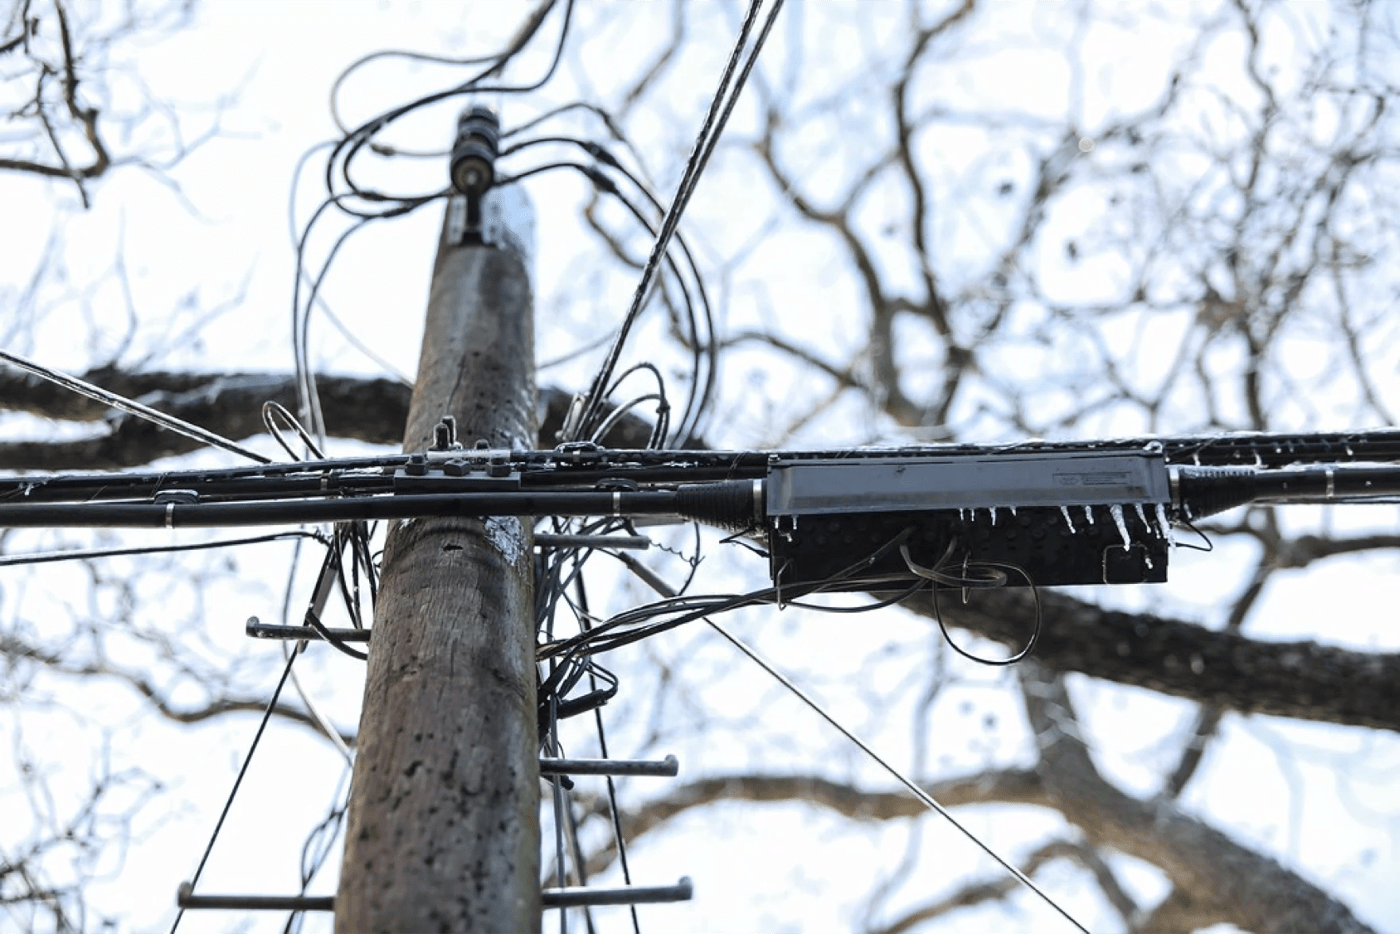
1116,510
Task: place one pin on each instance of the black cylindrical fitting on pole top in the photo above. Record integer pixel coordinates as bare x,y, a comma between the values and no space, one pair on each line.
474,150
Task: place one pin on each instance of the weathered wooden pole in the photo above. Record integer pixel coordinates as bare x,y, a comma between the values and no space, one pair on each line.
443,831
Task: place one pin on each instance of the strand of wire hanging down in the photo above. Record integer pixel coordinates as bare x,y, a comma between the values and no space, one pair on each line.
710,132
554,584
927,799
703,347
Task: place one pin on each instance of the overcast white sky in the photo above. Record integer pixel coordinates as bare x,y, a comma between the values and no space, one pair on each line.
277,62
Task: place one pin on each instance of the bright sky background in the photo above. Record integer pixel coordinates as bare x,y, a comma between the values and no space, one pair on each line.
277,63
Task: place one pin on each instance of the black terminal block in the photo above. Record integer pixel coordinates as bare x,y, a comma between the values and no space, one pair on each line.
1048,518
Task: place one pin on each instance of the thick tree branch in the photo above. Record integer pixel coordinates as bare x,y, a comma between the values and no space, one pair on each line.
1011,786
1304,680
978,893
1251,889
1195,855
229,404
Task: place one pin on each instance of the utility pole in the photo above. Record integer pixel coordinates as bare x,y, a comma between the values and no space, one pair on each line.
443,831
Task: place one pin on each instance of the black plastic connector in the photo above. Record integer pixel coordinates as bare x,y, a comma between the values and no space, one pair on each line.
473,165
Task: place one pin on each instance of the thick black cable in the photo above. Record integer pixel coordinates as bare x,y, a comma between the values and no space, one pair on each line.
295,240
690,432
395,53
553,468
349,585
271,411
998,578
332,565
301,316
694,608
355,140
242,771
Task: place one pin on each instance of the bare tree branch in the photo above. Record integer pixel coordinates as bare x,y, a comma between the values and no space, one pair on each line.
1303,679
230,404
14,650
1250,889
978,893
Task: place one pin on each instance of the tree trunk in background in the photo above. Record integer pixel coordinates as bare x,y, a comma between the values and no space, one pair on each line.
443,831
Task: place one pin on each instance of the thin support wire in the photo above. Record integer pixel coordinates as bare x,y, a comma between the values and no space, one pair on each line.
928,800
237,782
914,789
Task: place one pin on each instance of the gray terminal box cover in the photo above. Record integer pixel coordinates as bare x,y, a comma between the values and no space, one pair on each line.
799,488
1049,519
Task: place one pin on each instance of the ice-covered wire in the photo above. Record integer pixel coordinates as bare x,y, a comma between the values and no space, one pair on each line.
710,131
131,407
271,413
702,385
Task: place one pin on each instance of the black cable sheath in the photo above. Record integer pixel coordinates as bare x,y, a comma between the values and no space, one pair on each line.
712,503
552,466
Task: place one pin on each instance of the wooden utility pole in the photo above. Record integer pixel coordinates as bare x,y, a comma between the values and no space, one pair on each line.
443,831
